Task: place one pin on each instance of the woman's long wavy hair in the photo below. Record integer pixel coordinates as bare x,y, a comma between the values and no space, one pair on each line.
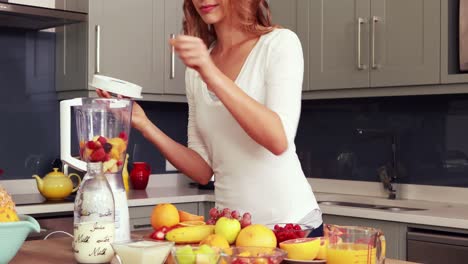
254,15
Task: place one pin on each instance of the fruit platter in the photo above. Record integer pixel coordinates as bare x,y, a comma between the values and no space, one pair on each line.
229,236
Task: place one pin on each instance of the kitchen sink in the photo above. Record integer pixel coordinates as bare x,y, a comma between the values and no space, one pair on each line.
370,206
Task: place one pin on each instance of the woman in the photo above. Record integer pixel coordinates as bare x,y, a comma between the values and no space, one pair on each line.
244,96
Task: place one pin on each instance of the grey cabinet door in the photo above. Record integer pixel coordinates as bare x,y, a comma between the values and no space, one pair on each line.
407,42
292,15
126,40
174,70
338,42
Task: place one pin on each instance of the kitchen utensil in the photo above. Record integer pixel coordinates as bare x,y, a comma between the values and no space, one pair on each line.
139,175
354,244
13,234
103,128
56,185
142,251
253,255
116,86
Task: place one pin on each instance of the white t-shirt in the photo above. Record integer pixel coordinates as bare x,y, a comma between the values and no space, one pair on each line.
248,177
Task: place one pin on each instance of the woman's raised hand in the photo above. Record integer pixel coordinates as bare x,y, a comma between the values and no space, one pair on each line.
139,118
193,53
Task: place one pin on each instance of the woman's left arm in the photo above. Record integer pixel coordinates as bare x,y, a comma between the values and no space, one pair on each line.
263,123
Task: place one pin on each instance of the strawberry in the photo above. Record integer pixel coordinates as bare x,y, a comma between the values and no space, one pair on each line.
102,140
93,144
158,235
123,136
98,155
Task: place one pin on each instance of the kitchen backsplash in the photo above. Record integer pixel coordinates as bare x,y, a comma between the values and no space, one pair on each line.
348,139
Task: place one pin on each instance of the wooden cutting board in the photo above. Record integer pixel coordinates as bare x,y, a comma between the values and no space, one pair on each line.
59,251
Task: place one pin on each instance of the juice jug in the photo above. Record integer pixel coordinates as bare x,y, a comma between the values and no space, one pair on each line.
354,244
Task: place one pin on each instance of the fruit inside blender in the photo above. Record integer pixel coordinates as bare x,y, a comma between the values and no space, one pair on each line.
110,151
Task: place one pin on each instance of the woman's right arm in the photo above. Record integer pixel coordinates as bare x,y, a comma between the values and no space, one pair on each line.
186,160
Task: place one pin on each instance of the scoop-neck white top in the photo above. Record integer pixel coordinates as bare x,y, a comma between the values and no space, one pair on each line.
248,177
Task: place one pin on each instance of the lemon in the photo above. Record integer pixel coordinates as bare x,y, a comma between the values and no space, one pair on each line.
301,248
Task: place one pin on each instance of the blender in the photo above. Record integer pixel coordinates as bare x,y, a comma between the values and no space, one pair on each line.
103,128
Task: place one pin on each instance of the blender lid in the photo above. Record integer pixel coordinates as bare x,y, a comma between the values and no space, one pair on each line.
116,86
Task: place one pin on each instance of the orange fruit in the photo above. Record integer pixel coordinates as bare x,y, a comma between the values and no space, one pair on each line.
192,223
215,240
165,214
256,235
186,216
301,248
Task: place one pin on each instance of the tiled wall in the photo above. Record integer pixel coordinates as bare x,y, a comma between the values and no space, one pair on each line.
431,132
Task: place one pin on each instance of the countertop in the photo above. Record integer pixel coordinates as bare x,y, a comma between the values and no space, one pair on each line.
58,250
435,214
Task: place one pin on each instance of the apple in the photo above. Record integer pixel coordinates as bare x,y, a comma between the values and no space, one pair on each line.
228,228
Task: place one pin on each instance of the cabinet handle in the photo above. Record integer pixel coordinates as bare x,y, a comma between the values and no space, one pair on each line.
360,66
172,74
144,226
375,19
98,49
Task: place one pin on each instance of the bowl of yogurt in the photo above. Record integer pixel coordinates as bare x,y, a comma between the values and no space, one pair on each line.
140,251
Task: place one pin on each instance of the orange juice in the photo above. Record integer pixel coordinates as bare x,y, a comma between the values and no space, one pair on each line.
347,253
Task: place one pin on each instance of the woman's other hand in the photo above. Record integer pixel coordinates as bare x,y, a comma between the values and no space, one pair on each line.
139,118
193,53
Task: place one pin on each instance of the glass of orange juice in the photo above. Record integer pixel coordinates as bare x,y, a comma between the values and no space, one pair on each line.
354,244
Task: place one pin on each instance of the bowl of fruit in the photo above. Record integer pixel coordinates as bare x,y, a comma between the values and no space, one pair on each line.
253,255
287,231
14,228
202,254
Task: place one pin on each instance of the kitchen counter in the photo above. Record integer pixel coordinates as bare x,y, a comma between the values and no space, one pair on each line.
58,250
435,214
36,204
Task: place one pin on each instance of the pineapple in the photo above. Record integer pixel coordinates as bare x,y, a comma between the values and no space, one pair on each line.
7,207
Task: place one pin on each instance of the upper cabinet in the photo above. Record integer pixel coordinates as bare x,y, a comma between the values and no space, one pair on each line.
121,42
131,41
363,43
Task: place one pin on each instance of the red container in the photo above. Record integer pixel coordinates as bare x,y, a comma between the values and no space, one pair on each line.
139,175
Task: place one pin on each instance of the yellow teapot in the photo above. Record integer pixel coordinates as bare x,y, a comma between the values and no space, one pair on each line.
55,185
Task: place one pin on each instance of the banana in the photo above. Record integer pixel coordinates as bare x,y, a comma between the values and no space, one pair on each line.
190,234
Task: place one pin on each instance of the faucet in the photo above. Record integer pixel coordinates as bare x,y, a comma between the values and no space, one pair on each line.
387,175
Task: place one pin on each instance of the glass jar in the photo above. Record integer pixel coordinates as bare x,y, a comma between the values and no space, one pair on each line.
94,221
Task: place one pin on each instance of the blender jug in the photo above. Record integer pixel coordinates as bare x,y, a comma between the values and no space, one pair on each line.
354,244
103,127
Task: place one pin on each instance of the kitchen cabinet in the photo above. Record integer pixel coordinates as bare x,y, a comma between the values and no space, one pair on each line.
395,233
134,43
128,41
356,44
121,42
436,246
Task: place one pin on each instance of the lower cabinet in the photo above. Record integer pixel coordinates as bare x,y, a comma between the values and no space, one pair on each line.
395,233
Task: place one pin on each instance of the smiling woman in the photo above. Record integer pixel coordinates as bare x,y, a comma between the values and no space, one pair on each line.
243,85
